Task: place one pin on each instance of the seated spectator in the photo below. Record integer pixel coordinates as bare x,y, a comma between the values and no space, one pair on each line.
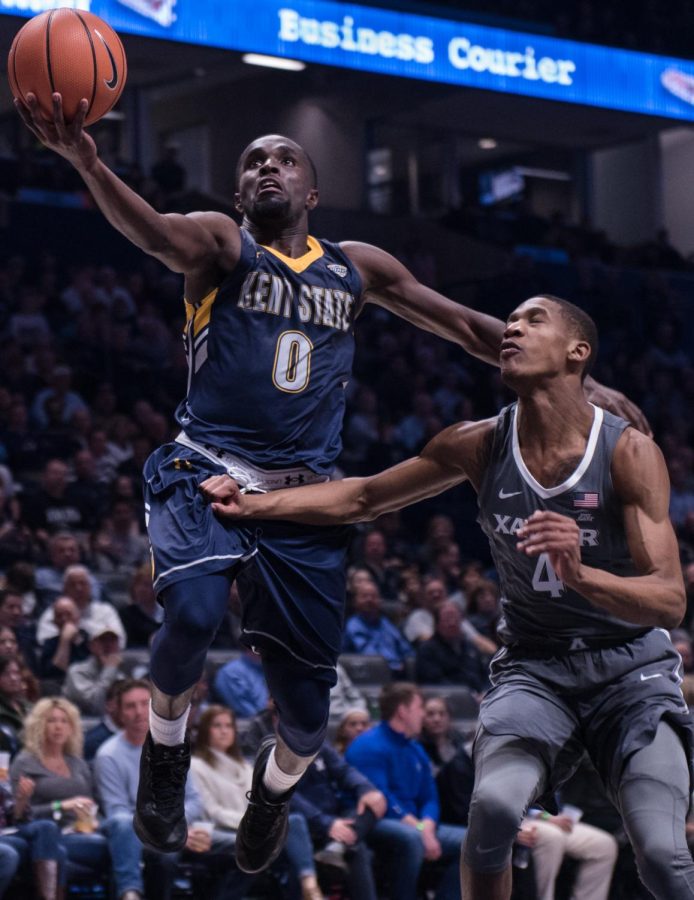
118,545
22,840
420,624
438,738
397,765
108,725
344,695
223,779
70,645
16,540
484,609
446,566
60,389
117,774
353,723
9,647
63,552
371,633
341,807
240,684
78,584
21,578
558,836
63,789
356,576
449,657
51,508
12,617
86,683
374,559
440,532
8,643
14,705
143,615
86,489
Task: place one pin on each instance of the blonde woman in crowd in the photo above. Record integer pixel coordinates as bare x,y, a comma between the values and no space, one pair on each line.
63,788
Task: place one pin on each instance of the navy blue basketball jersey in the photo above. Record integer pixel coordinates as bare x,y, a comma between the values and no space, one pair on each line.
270,353
536,605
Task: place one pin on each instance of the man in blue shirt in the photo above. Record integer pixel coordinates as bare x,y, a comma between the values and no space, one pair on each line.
117,773
394,762
368,631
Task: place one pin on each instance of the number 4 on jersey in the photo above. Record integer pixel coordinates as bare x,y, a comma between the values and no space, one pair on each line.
545,579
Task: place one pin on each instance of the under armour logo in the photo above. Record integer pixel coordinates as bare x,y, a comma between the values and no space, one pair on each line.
292,480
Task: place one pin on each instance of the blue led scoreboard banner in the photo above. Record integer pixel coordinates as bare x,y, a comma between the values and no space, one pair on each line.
407,45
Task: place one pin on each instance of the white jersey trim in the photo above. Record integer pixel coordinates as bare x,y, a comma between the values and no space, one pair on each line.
579,472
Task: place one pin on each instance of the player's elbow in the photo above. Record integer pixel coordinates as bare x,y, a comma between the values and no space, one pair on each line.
364,507
674,609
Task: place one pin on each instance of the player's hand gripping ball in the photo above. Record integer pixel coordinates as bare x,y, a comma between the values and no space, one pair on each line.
70,52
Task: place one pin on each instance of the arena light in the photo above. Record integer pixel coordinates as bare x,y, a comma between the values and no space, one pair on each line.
487,144
273,62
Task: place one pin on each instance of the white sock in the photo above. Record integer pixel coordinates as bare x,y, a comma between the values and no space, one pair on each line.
277,781
169,732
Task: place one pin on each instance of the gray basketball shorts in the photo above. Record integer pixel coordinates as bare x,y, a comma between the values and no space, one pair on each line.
607,701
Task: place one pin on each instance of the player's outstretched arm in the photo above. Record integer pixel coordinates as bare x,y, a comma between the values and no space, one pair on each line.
655,596
183,243
388,283
454,455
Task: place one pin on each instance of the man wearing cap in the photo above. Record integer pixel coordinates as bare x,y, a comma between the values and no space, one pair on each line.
87,683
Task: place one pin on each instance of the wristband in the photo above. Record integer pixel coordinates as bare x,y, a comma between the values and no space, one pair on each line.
419,826
545,815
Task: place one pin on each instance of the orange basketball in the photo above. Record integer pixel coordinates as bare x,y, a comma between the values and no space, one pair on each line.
73,53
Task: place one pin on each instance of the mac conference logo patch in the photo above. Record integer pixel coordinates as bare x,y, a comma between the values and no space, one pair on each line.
338,269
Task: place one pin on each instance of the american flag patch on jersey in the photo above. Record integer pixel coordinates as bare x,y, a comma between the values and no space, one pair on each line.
583,500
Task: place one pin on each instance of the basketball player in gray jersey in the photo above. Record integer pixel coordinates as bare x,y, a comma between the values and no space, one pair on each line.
575,505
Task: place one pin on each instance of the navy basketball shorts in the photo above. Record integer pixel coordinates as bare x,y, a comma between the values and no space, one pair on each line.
291,577
608,701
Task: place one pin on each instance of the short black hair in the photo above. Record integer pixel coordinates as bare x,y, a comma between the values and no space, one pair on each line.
581,325
312,165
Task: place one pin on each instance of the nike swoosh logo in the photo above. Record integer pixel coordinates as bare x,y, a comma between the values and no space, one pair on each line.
479,849
504,496
112,82
646,677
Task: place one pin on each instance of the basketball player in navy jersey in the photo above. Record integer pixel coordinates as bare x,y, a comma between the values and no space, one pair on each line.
575,505
269,338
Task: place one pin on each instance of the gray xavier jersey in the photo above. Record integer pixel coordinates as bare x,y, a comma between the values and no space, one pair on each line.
536,606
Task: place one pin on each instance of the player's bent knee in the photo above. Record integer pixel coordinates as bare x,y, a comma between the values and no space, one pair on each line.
488,844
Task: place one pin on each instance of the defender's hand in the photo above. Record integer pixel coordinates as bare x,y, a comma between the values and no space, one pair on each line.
617,403
220,489
69,140
556,535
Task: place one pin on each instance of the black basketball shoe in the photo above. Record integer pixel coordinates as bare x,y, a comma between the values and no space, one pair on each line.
160,819
263,828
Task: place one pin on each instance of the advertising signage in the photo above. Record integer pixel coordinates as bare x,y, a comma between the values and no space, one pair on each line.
407,45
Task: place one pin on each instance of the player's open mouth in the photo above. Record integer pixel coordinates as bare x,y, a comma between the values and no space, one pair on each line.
269,187
509,348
